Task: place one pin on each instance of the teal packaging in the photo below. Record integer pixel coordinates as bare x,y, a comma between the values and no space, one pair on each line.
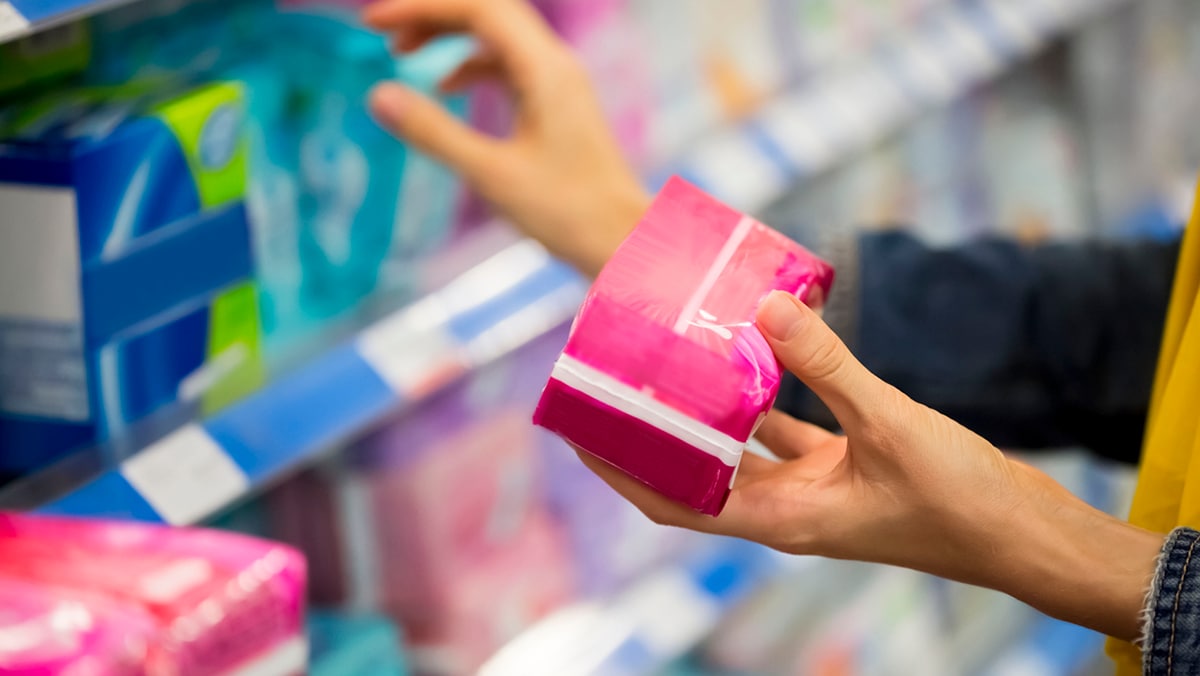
429,192
44,58
350,205
125,269
272,199
347,168
354,645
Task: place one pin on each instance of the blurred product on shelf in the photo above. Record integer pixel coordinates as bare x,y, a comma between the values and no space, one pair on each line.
65,631
479,556
1136,115
665,375
612,543
1002,161
340,209
329,174
44,59
126,266
426,215
183,601
354,644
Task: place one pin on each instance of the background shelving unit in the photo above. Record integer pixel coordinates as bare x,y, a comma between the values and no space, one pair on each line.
816,128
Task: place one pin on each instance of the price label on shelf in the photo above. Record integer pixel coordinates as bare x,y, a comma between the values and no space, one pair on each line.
186,476
12,23
413,352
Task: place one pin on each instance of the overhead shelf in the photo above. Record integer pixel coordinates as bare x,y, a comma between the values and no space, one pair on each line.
200,468
655,621
19,18
956,46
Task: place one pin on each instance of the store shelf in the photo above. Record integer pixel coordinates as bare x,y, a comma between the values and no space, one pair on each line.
955,47
200,468
19,18
655,621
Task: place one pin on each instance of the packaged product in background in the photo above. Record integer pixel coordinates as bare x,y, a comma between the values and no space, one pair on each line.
1135,120
354,644
740,63
217,602
612,543
273,201
478,555
495,537
950,202
425,216
174,43
55,631
1030,163
665,375
134,291
683,102
347,169
761,634
44,60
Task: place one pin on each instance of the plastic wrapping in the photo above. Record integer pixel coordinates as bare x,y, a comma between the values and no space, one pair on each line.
45,632
665,375
202,602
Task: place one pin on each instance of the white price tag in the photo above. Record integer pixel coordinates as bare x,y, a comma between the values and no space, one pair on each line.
412,351
12,23
186,476
670,612
737,170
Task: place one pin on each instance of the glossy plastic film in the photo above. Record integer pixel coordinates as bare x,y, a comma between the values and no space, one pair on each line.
199,602
665,375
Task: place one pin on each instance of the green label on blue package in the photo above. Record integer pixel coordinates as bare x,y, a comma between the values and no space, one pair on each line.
215,149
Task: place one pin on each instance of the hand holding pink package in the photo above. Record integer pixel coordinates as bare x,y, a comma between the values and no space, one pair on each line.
665,375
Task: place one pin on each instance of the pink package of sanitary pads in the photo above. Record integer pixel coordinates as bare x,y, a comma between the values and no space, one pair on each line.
213,602
665,375
48,632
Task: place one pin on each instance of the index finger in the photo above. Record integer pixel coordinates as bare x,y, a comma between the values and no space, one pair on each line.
516,32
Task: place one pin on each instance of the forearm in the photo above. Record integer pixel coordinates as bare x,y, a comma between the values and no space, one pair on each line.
1068,560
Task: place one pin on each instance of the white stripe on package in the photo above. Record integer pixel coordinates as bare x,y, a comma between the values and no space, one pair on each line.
186,477
608,390
692,307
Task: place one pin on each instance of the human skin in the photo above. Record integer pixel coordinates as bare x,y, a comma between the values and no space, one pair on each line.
902,485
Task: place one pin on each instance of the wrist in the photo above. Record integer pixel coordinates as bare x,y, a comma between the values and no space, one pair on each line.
624,208
1069,560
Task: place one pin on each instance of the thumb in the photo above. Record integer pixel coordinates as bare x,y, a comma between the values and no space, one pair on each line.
429,127
807,347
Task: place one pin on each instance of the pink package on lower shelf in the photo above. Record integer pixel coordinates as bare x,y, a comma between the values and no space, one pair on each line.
216,602
46,631
665,375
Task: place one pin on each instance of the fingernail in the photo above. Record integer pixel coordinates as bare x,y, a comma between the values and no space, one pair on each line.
388,101
778,317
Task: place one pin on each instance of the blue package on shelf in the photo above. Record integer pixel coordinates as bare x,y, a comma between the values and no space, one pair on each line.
124,275
198,469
